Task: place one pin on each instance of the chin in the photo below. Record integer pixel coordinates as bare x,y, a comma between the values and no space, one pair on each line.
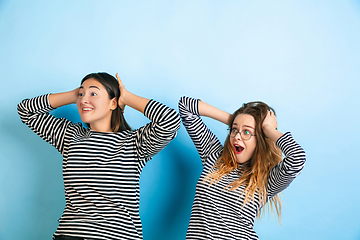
242,160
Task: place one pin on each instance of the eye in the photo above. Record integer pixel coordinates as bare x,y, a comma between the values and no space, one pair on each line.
233,130
247,132
80,94
93,94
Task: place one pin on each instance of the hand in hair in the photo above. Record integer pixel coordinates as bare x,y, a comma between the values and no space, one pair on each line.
123,92
129,99
269,127
270,120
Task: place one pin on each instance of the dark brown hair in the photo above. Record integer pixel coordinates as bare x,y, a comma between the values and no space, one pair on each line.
111,85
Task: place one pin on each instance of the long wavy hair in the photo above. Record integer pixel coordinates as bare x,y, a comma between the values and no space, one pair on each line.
110,83
254,172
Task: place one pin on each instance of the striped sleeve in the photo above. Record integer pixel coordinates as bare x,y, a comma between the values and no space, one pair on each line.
35,114
154,136
285,172
204,140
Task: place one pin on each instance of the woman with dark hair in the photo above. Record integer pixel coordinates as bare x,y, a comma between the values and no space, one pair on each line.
101,163
241,177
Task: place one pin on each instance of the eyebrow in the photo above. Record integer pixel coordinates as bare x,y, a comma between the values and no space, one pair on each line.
81,87
244,126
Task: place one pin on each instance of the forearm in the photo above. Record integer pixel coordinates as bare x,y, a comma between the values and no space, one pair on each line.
272,133
204,140
207,110
60,99
134,101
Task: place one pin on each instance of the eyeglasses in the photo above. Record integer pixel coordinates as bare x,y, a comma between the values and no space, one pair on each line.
244,134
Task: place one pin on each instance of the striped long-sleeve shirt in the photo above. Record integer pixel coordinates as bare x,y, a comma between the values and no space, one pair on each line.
218,213
101,170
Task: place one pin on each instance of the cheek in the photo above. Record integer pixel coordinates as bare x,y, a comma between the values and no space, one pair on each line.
78,104
251,147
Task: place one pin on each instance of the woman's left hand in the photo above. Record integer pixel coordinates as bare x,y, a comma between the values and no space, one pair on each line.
270,121
123,93
269,127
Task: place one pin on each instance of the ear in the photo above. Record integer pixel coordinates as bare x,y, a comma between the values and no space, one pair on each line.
113,104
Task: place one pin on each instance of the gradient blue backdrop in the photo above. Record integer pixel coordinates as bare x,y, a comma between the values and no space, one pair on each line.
301,57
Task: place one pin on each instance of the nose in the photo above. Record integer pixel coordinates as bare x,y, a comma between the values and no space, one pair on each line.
238,136
84,99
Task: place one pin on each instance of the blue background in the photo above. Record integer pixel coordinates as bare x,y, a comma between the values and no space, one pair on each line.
301,57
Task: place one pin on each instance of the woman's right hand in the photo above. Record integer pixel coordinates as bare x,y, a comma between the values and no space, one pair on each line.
208,110
75,94
60,99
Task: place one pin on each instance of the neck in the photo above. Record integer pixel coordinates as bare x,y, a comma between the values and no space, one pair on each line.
100,127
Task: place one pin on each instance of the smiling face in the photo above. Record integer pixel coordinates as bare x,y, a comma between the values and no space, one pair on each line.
94,105
244,150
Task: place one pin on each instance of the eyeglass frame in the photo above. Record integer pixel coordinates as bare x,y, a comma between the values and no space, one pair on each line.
240,132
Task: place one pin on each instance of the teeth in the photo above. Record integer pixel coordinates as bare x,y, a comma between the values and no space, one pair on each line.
87,109
238,148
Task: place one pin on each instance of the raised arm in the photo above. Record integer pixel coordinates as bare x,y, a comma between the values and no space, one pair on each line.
289,168
285,172
208,110
154,136
35,114
61,99
204,140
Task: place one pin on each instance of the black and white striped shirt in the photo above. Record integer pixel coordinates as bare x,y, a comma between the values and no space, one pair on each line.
101,170
217,213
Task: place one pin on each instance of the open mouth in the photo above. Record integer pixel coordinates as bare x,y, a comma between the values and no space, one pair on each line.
86,109
238,149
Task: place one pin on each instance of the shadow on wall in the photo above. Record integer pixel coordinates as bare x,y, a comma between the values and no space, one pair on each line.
167,189
33,183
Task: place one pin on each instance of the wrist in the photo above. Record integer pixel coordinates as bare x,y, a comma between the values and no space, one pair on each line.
123,99
268,127
272,133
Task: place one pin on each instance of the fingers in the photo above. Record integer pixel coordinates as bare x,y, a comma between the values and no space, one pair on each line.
122,93
273,118
271,114
270,119
119,80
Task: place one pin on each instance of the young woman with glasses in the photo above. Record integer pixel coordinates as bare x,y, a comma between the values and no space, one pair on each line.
101,163
241,177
